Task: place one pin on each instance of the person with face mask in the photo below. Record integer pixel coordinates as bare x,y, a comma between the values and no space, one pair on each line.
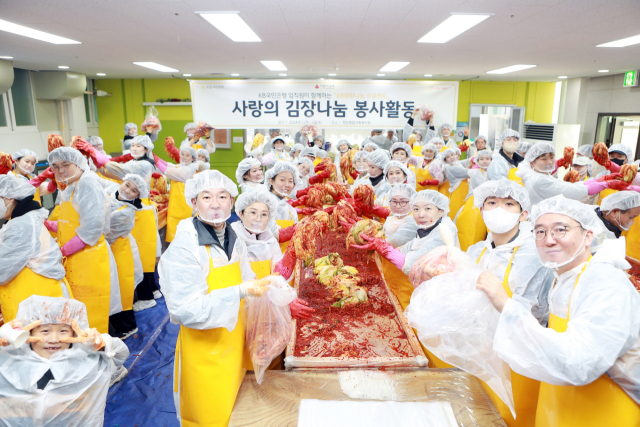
456,185
429,173
280,181
507,158
61,375
395,173
403,153
276,155
361,164
84,218
25,163
305,171
587,358
249,174
31,259
445,133
508,256
618,212
400,227
205,274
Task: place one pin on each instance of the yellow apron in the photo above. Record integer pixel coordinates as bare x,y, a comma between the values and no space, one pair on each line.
108,179
633,240
54,216
88,270
417,149
444,189
284,223
601,403
604,193
471,227
456,199
21,287
177,210
197,146
145,232
512,176
123,255
525,390
210,362
423,175
316,161
36,196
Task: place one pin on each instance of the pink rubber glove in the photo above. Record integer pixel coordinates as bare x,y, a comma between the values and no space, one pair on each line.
51,225
387,251
287,264
72,246
300,309
633,188
594,187
98,158
160,164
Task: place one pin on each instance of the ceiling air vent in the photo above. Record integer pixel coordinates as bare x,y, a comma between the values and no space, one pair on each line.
538,132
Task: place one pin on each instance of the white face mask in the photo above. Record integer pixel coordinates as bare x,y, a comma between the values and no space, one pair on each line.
285,196
556,266
215,222
547,171
66,181
28,170
499,220
428,226
256,227
622,226
510,147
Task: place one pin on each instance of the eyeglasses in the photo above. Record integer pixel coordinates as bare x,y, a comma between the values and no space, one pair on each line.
401,203
556,232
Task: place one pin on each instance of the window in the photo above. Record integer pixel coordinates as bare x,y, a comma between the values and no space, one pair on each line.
90,106
17,106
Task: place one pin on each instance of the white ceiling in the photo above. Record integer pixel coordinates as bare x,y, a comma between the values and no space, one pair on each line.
313,36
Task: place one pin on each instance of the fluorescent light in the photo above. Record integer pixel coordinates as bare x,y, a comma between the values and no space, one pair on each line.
510,69
380,75
186,75
622,42
63,67
283,75
562,77
100,74
394,66
332,74
6,57
10,27
321,78
428,75
231,25
235,74
603,71
453,26
156,67
274,65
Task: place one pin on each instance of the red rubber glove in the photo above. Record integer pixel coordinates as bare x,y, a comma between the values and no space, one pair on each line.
156,175
98,158
616,184
51,225
287,264
463,148
300,202
302,192
122,159
52,186
172,151
318,178
379,211
321,166
72,246
387,251
300,309
355,174
429,182
306,211
46,174
285,234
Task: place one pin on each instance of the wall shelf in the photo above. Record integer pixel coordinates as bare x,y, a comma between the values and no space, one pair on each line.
165,104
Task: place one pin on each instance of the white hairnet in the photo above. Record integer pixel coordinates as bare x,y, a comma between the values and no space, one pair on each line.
278,168
248,198
435,198
372,145
397,164
95,140
204,152
622,200
308,151
64,154
444,126
343,141
401,146
190,126
139,182
502,188
448,151
129,126
523,147
305,161
509,133
52,311
403,190
273,130
12,188
22,153
318,138
190,150
623,149
380,158
296,148
429,146
482,137
208,180
580,212
146,142
361,155
586,150
484,153
436,139
245,166
581,161
539,149
277,138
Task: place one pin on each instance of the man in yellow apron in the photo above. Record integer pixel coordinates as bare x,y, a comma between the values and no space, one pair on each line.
84,217
508,159
31,260
509,255
587,359
204,275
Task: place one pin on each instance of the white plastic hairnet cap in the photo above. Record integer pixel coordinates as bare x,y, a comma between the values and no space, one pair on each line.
68,154
371,145
436,139
509,133
189,126
502,188
12,188
622,200
448,151
402,190
129,126
208,180
380,158
401,146
584,214
305,161
429,146
308,151
280,167
586,150
190,150
435,198
204,152
445,126
245,166
484,153
95,140
146,142
397,164
24,152
581,161
621,148
260,195
139,183
524,147
361,155
296,148
319,137
52,311
277,138
537,150
343,141
482,137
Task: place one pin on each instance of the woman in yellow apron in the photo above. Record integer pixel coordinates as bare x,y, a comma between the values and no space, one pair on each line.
471,227
84,211
25,163
281,180
586,360
429,173
456,186
31,259
276,155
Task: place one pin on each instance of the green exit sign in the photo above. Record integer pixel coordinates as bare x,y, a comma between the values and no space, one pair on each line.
630,79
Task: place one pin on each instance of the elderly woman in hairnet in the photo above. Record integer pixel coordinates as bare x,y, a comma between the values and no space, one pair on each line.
592,338
31,259
61,375
429,173
281,181
84,218
444,132
276,155
618,212
505,163
370,146
249,174
479,144
130,132
319,144
400,227
205,274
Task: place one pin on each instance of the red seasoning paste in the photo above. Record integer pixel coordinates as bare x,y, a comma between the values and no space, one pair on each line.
360,331
634,273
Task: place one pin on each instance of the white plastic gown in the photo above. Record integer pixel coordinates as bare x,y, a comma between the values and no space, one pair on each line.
181,172
272,157
144,168
455,174
261,247
285,212
400,231
528,278
476,177
203,142
408,130
542,186
379,189
435,169
25,242
419,246
183,271
499,167
249,186
602,334
122,222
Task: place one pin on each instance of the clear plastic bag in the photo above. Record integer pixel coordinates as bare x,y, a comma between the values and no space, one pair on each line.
426,113
268,324
151,122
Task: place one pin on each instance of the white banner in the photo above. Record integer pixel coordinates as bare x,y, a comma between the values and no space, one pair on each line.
356,104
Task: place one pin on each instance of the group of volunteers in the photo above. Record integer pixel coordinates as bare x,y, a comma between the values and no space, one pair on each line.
551,251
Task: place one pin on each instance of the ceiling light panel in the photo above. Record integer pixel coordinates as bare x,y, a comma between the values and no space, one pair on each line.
20,30
453,26
622,42
231,25
157,67
393,66
510,69
274,65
